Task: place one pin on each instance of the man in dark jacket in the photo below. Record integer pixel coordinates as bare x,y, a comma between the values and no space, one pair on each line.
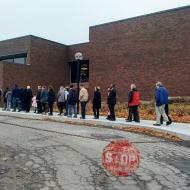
133,104
161,98
111,102
16,98
72,102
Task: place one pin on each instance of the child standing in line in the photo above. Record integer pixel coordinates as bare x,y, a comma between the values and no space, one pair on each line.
34,103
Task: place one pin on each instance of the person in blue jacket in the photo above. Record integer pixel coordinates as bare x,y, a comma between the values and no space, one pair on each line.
161,99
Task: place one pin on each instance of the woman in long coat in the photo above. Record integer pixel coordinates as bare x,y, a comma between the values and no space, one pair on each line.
96,102
51,99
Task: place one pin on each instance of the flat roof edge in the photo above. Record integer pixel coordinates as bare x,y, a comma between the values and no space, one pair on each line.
141,16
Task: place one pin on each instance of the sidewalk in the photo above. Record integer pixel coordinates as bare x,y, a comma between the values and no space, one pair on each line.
181,130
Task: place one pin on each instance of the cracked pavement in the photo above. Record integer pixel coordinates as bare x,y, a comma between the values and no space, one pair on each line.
41,160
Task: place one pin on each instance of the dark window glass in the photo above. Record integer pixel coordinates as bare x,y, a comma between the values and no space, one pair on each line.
16,58
9,60
73,68
21,60
83,71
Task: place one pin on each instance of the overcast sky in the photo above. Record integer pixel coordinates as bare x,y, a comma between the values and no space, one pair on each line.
68,21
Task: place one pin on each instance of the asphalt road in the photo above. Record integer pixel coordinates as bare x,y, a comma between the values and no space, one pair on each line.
32,159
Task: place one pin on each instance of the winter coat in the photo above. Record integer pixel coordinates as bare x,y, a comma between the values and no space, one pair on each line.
4,96
34,103
16,92
97,100
161,96
28,95
44,96
61,95
134,98
38,96
51,97
72,97
66,95
83,95
112,97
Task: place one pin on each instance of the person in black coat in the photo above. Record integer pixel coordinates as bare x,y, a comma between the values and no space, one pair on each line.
39,105
28,98
51,99
96,102
72,102
111,102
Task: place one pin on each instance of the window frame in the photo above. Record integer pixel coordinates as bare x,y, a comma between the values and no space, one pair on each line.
5,58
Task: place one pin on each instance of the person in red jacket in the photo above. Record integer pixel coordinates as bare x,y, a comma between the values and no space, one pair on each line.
133,104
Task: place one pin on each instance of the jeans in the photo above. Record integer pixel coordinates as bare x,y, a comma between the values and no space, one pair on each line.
72,108
8,105
16,103
83,109
67,108
60,106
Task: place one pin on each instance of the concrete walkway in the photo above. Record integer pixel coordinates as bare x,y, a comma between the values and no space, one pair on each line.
181,130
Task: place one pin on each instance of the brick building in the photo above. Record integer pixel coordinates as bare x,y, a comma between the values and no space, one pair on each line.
140,50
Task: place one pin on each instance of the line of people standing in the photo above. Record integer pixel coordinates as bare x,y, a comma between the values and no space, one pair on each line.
67,98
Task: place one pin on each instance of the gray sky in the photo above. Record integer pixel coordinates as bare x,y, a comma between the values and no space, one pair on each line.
68,21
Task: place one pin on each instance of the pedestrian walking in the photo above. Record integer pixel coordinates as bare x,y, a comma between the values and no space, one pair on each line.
51,99
38,100
167,113
61,99
96,102
133,104
72,102
34,103
111,103
83,98
161,99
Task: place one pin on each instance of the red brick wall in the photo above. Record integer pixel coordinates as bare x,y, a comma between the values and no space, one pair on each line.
1,75
46,64
143,50
140,50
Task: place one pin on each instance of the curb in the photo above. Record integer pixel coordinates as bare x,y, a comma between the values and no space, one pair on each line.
143,129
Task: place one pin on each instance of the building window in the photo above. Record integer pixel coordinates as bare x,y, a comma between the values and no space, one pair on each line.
83,71
20,58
